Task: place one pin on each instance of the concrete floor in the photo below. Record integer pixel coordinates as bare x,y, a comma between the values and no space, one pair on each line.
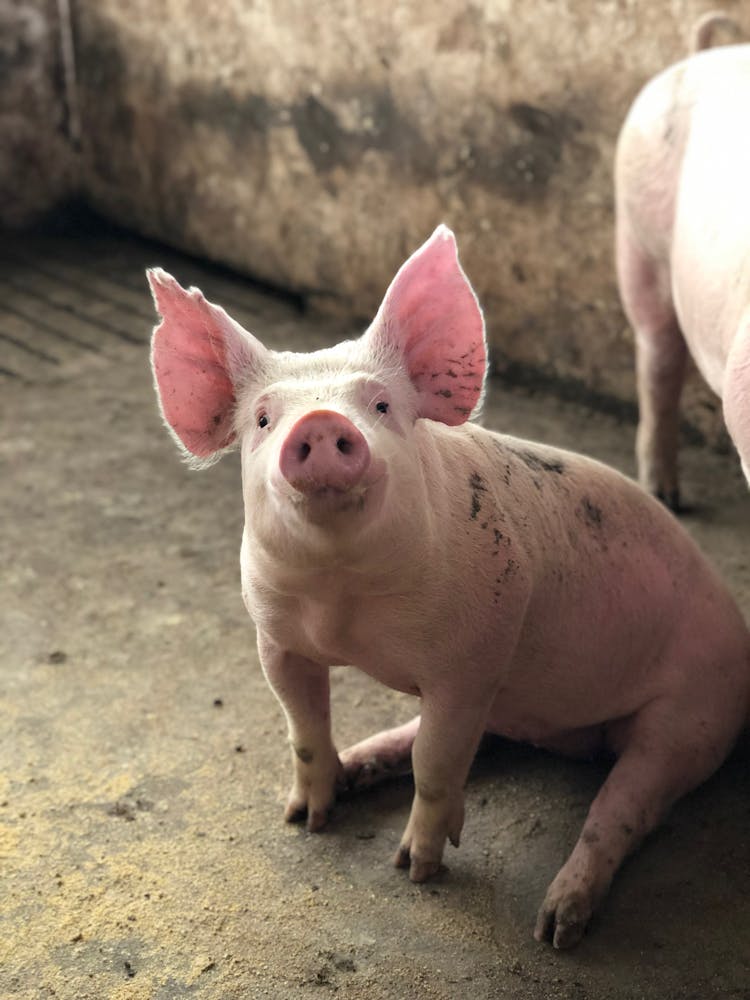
143,762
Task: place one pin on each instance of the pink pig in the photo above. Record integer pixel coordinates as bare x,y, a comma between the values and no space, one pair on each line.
511,587
683,246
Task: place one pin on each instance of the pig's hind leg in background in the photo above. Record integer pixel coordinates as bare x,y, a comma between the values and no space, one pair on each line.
661,356
644,225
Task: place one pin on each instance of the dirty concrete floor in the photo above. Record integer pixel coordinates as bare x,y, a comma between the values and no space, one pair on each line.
143,762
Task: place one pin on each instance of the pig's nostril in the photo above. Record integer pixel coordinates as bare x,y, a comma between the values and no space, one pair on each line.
344,446
304,451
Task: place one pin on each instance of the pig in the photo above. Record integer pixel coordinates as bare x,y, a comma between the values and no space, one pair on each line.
511,587
683,246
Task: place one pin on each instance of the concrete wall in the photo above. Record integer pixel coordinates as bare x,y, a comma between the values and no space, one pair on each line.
37,130
314,146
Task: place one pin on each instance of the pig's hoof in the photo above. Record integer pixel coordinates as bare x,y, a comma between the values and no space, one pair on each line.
299,812
563,922
419,871
367,773
361,774
314,820
314,792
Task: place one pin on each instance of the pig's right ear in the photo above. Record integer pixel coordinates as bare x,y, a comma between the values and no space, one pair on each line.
431,320
199,356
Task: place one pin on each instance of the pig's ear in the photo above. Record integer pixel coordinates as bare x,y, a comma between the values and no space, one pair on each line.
431,317
199,356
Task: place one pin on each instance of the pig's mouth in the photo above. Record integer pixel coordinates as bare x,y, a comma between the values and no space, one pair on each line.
326,499
333,499
322,502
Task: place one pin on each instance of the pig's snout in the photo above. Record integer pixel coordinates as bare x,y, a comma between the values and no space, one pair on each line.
323,451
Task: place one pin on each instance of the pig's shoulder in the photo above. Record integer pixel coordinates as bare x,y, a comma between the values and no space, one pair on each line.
558,472
530,458
517,459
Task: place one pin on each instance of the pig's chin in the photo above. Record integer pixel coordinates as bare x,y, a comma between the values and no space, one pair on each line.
330,505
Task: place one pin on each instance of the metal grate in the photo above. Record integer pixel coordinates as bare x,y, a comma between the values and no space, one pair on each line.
66,301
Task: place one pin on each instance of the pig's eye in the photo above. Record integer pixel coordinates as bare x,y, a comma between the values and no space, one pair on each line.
262,420
381,407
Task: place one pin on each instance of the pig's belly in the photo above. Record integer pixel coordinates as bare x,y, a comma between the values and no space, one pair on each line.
567,681
584,741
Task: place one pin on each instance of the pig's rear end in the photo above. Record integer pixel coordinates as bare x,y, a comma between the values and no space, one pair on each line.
683,247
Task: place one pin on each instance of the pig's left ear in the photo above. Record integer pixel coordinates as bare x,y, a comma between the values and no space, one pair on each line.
431,317
199,357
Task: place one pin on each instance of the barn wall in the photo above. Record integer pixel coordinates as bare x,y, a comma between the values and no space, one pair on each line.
313,146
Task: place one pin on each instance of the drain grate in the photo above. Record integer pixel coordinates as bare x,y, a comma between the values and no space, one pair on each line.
66,302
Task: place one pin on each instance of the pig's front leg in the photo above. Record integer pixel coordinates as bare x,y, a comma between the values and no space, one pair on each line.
303,690
444,747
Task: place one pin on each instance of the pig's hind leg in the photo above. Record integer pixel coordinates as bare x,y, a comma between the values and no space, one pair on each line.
385,755
663,752
661,355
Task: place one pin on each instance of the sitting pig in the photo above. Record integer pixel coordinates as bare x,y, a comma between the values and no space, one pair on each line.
683,246
511,587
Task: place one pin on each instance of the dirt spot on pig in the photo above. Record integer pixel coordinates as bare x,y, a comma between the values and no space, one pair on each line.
511,568
477,486
590,513
499,540
537,463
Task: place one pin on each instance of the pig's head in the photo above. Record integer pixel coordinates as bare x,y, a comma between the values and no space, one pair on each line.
325,437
